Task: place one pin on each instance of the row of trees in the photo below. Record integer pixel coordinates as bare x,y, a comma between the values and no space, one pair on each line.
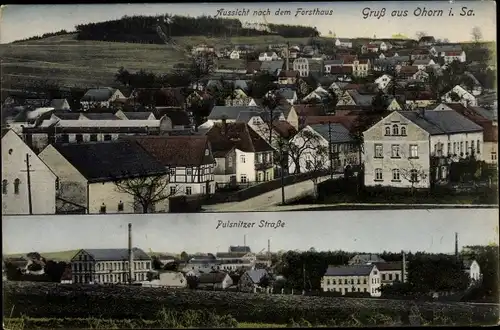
45,35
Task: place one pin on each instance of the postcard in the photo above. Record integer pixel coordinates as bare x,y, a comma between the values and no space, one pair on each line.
357,268
116,109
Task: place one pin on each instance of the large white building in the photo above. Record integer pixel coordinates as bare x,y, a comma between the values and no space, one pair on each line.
100,266
17,192
398,149
301,65
354,278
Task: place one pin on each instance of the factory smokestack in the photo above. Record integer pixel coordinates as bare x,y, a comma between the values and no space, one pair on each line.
130,255
403,272
456,245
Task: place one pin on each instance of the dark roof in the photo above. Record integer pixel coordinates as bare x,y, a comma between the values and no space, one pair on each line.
137,115
256,275
289,74
347,121
58,103
231,113
98,94
388,266
354,270
100,116
238,248
211,278
309,110
110,160
284,129
178,116
177,150
427,39
437,122
226,136
116,254
334,132
65,115
91,130
227,255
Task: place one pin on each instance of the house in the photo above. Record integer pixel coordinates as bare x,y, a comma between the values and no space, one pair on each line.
308,51
383,81
471,267
60,104
360,68
288,77
343,42
483,118
329,64
426,41
216,280
202,264
167,279
420,54
237,257
252,281
228,114
102,266
268,56
473,86
406,72
21,194
287,94
108,188
272,67
188,159
234,55
100,97
423,64
333,135
67,277
449,53
353,278
365,259
241,155
354,97
398,148
419,99
391,272
238,98
301,65
421,76
458,94
174,118
319,95
135,115
296,114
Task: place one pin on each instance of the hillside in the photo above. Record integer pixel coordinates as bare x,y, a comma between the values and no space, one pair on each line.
82,63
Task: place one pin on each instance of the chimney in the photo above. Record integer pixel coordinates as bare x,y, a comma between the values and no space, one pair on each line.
403,271
456,246
130,255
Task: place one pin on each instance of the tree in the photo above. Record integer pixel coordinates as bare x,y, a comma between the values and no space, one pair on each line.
192,282
316,163
156,263
476,34
184,256
296,148
420,34
487,257
413,174
146,190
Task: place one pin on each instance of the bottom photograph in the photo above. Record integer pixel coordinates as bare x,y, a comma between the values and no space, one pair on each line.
252,270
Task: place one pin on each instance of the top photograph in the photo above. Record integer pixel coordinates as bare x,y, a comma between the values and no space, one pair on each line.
225,107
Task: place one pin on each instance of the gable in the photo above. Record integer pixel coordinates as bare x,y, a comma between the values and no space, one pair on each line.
83,254
377,131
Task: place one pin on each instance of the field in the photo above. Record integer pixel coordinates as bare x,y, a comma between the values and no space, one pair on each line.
71,62
56,301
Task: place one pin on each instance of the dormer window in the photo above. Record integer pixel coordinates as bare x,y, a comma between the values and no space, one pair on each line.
395,129
207,152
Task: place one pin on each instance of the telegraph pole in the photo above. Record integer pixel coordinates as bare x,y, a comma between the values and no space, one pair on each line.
28,180
330,148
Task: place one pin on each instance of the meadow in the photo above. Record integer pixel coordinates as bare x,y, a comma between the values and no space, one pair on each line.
65,304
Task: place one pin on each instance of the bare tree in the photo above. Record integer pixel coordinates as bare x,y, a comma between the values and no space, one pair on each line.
316,163
297,147
477,35
413,174
420,34
406,168
146,190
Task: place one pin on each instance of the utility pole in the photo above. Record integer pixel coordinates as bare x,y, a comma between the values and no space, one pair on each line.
28,181
304,278
330,153
282,170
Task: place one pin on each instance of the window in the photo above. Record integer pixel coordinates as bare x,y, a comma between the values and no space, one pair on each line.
120,206
259,177
17,182
172,191
188,191
4,186
397,277
403,131
172,171
57,184
383,277
395,175
390,277
65,138
395,151
387,131
189,171
243,178
467,146
461,147
477,146
207,152
364,281
378,174
413,151
379,151
242,158
102,209
230,161
493,156
413,175
107,137
395,129
93,137
449,148
327,282
79,138
472,146
454,147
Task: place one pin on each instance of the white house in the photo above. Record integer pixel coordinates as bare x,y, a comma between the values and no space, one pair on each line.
234,55
311,138
218,280
301,65
343,43
251,281
458,94
383,81
241,155
188,159
398,149
102,177
268,56
471,267
19,161
423,64
349,279
319,94
100,97
167,279
100,266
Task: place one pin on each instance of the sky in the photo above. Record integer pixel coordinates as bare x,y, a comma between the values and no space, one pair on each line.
356,231
22,21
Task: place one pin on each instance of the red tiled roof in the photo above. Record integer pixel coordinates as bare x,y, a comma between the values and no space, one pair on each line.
341,69
409,69
352,87
284,128
490,132
346,121
419,52
225,136
347,58
176,150
363,61
309,110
